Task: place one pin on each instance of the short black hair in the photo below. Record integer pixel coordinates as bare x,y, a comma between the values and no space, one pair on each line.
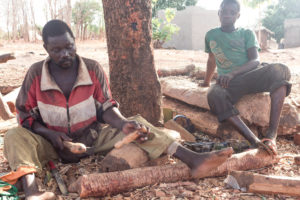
55,27
224,2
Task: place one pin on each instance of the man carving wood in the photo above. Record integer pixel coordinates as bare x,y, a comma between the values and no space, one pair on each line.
65,98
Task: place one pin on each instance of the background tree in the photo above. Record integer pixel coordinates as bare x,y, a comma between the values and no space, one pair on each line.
163,30
276,14
257,4
83,15
133,78
163,4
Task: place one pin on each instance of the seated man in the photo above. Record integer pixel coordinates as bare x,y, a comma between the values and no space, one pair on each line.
235,53
65,98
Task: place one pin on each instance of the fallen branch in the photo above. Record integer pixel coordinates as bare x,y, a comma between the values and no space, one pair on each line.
5,57
102,184
257,183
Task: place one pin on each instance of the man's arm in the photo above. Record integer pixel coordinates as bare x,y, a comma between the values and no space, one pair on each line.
253,62
113,117
210,69
56,138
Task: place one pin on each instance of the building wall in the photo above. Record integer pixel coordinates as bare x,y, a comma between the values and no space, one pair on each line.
194,22
292,33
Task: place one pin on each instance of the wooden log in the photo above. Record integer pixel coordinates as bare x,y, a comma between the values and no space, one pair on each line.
257,183
297,160
297,138
177,71
8,124
102,184
5,112
126,157
5,57
199,73
206,122
185,135
253,108
11,97
252,159
9,101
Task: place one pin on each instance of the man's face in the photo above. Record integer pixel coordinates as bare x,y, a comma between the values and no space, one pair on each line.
228,14
62,50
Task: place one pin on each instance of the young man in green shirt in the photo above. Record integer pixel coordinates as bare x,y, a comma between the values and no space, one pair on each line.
234,51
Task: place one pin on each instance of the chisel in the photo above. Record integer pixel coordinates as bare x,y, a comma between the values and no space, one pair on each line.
59,180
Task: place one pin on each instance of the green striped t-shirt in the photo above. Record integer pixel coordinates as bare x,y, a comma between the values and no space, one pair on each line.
229,49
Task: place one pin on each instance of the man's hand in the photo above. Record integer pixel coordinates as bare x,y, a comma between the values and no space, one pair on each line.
57,139
224,80
131,126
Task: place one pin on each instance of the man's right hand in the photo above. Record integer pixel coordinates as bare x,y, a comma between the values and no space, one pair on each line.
57,139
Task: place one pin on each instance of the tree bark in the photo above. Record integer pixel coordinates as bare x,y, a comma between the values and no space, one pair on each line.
103,184
133,78
69,13
33,21
25,21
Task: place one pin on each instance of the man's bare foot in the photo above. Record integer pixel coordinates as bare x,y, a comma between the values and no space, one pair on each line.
209,161
41,196
31,190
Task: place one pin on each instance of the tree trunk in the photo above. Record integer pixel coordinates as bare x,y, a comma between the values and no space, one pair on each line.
69,13
33,21
25,32
103,184
14,19
8,20
133,78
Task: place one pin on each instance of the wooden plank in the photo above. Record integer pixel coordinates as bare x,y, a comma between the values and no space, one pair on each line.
266,184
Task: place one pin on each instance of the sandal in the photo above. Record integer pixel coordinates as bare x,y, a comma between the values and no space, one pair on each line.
269,145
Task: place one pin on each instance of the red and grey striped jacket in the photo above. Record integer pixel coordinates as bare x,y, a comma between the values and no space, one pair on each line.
40,98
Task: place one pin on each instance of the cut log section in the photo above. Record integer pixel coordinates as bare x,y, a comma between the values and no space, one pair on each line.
176,72
5,57
8,124
257,183
102,184
127,157
5,112
185,135
297,138
297,160
253,108
206,122
10,99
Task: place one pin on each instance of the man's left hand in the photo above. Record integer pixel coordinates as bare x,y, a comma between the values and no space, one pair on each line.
224,80
131,126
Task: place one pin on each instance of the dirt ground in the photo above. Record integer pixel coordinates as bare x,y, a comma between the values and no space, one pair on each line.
13,72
